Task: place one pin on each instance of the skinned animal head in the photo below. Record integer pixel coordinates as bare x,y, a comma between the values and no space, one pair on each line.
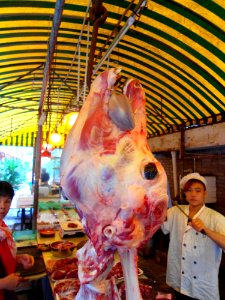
108,170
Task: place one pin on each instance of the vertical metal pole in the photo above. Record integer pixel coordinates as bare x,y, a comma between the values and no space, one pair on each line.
174,163
37,176
53,39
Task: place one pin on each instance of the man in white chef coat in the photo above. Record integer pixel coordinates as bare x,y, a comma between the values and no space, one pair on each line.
197,238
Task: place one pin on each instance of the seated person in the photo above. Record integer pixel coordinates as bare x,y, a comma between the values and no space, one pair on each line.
44,177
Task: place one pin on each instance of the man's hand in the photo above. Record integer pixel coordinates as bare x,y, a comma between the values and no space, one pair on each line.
197,224
218,238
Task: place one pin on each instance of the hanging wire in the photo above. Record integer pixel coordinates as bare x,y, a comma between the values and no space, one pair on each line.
115,31
79,41
11,127
86,61
48,113
108,61
78,76
33,81
57,113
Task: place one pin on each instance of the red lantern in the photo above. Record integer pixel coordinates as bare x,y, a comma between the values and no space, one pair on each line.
46,153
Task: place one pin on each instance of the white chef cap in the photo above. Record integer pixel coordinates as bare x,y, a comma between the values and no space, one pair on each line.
190,176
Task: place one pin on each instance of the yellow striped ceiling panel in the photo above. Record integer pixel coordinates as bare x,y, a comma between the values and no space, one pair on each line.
175,48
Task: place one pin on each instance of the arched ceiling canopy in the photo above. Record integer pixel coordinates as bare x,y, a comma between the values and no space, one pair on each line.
175,48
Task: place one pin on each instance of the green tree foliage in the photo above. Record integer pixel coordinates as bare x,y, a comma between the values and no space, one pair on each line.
14,171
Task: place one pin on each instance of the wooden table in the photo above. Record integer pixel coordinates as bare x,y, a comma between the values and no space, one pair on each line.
47,255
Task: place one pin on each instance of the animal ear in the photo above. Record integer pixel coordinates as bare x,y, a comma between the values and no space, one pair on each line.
97,125
135,92
120,111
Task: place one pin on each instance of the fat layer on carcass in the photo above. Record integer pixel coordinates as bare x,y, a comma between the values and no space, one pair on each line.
117,185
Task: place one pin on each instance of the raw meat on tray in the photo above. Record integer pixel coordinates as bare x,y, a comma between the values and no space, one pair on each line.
62,268
117,271
146,291
117,185
66,289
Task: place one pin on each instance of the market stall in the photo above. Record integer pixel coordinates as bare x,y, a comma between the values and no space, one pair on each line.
62,271
46,244
163,77
54,246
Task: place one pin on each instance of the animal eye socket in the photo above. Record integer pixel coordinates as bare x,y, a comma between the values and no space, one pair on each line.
150,171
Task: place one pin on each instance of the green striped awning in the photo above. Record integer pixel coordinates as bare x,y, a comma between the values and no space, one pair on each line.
176,48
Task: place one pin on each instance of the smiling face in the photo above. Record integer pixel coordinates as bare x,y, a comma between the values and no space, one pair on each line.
5,203
195,194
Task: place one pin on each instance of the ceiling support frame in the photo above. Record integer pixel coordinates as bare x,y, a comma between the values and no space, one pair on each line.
52,43
98,15
24,75
122,32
